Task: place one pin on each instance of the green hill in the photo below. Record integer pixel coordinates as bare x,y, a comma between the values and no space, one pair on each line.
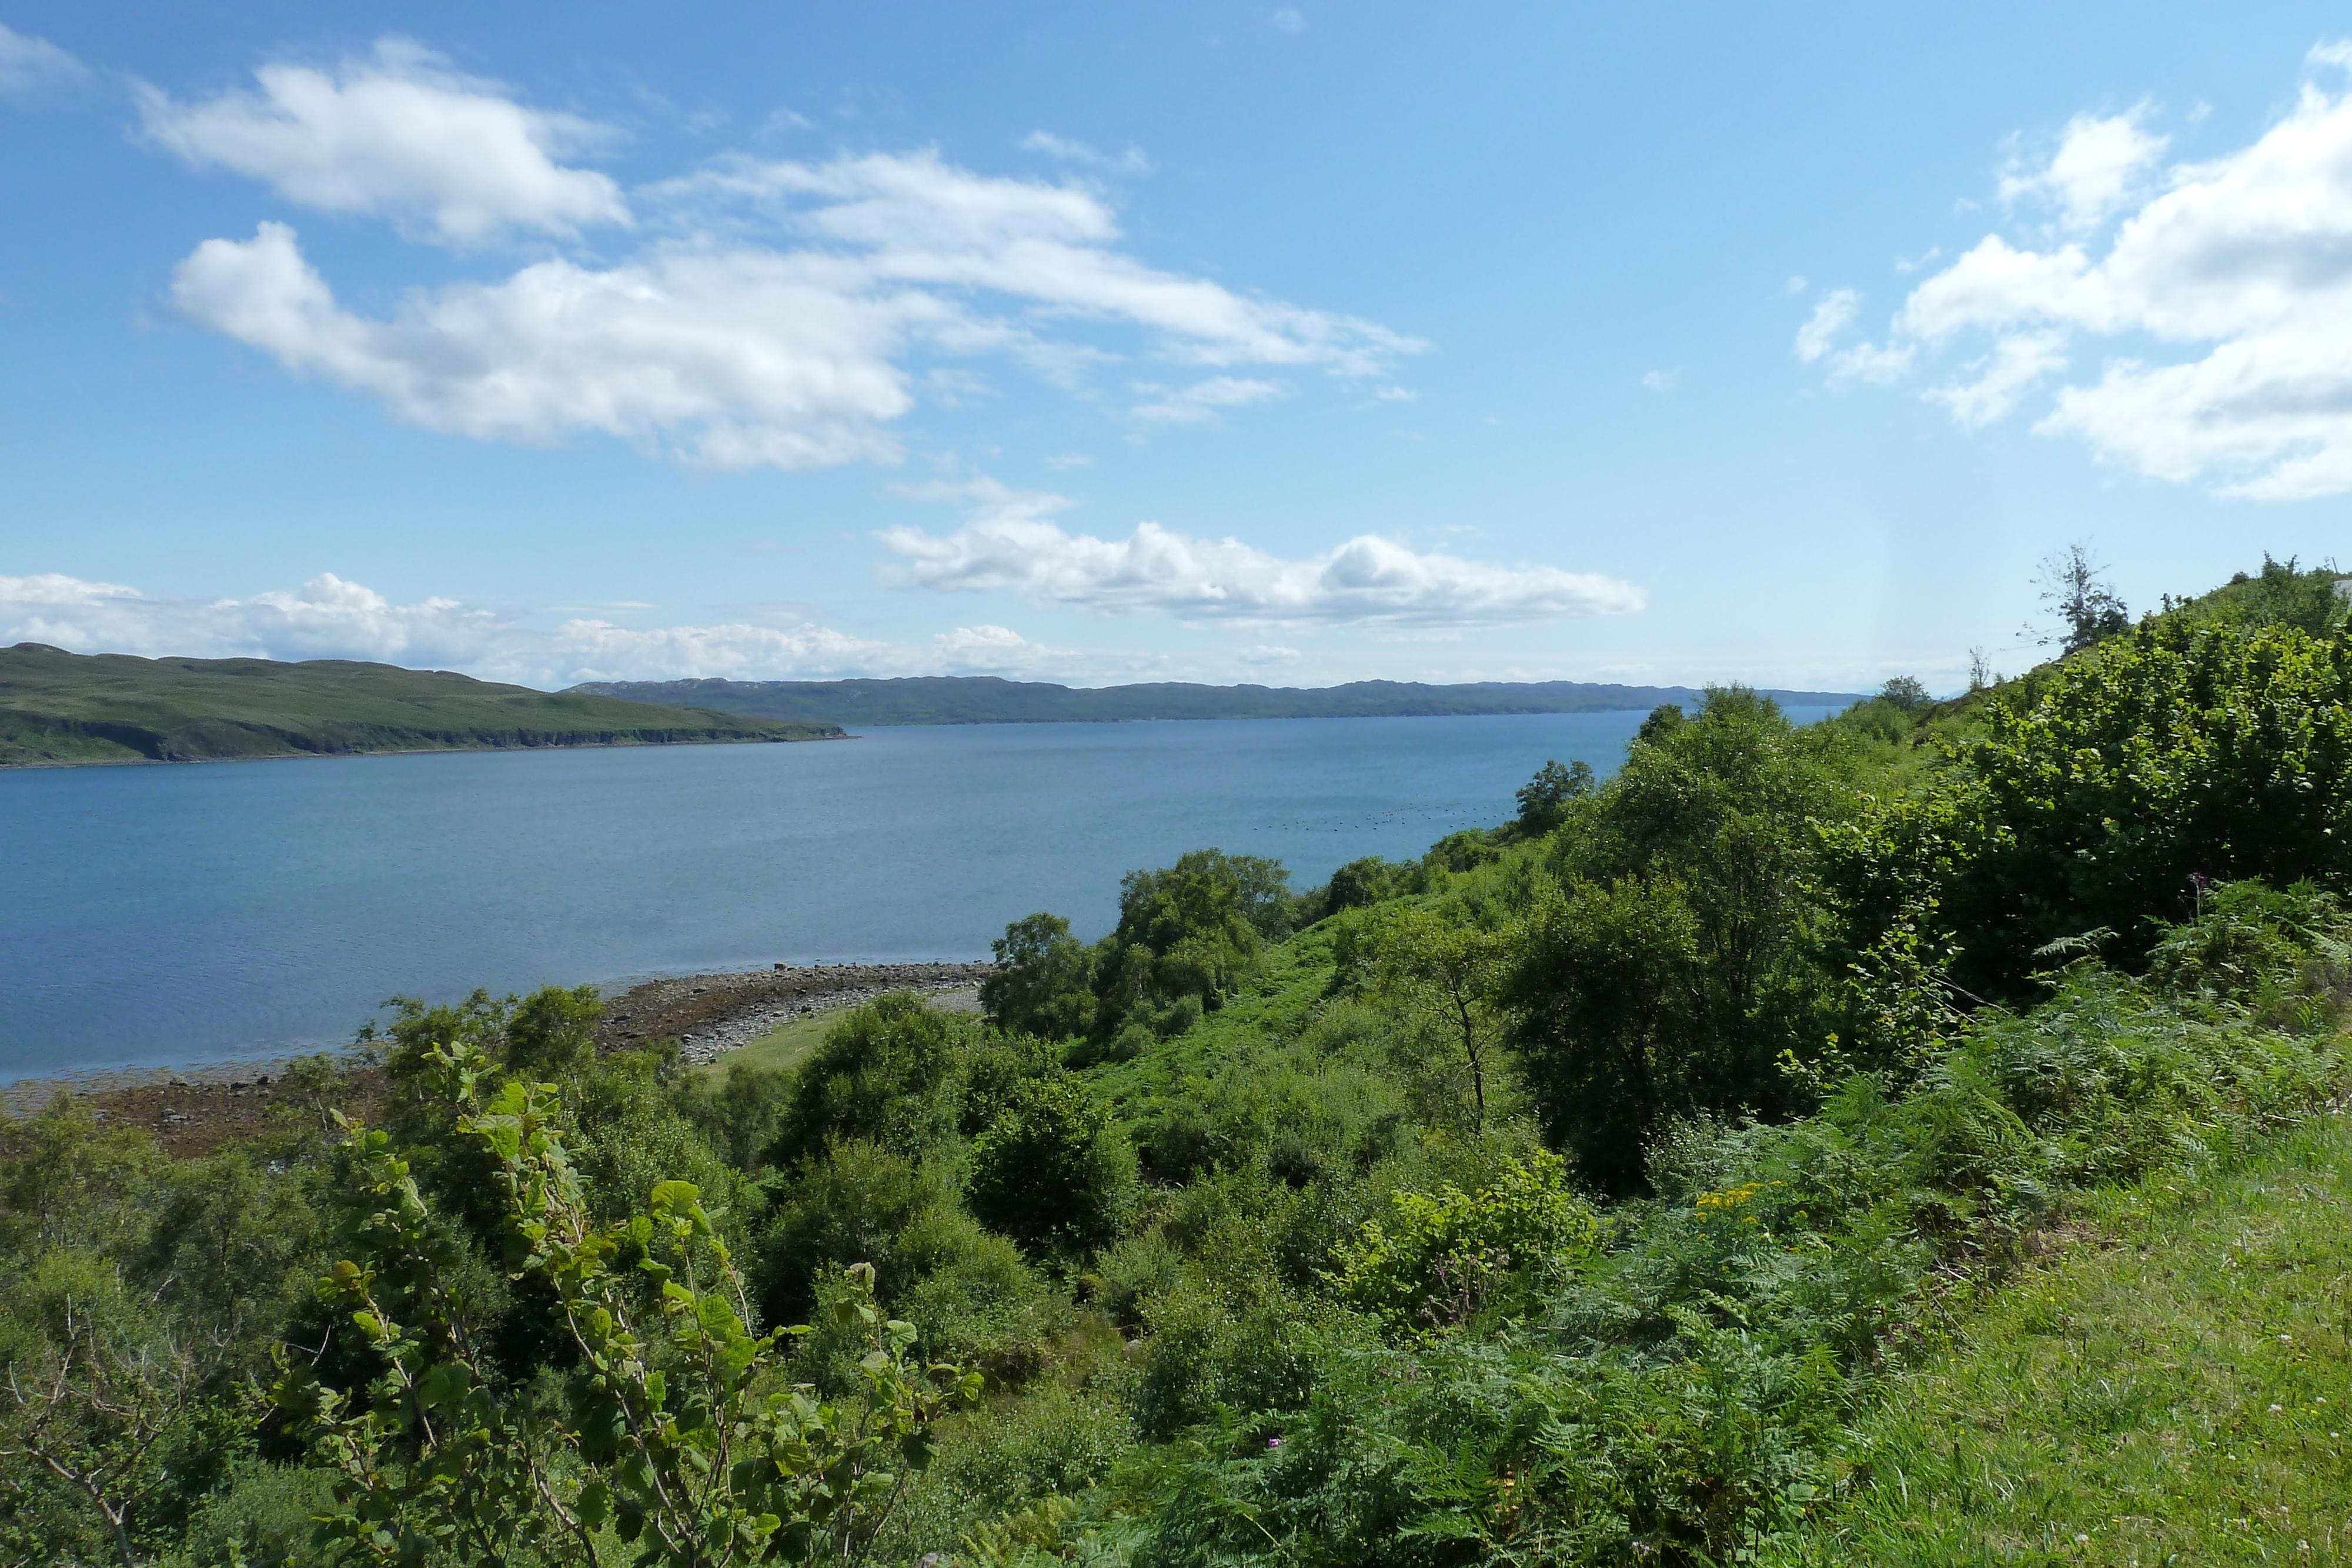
989,699
58,707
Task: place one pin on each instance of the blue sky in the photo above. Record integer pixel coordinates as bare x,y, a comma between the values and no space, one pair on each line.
1292,344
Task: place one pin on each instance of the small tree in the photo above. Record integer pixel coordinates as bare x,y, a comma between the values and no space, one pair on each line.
95,1403
1905,692
886,1072
1980,673
1543,799
2081,600
1453,969
680,1438
1357,884
1039,986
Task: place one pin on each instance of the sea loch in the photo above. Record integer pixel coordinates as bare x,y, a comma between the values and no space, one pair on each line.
157,915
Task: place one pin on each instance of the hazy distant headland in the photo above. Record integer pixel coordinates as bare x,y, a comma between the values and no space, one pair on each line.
59,708
988,699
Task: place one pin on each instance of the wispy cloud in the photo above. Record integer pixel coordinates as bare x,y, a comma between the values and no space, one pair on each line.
1202,400
1131,161
34,69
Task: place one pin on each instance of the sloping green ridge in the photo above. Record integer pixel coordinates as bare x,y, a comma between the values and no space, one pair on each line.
990,699
61,707
2169,1389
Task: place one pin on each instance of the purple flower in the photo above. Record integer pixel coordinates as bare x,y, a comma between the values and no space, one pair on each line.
1274,1442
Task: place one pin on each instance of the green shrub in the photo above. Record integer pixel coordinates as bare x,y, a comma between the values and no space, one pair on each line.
551,1033
2095,793
1040,984
995,1067
849,1207
1053,1171
1442,1256
262,1518
887,1073
976,1297
739,1113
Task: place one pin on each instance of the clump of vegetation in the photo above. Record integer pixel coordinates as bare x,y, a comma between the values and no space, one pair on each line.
1567,1195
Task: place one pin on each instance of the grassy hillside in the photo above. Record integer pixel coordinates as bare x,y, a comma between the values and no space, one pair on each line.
986,699
58,708
2169,1388
1912,1137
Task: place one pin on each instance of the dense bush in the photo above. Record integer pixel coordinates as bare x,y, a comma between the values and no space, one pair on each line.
1039,983
2093,796
1052,1171
1443,1258
887,1073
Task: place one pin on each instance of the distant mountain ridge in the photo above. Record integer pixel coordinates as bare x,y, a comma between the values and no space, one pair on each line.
59,708
990,699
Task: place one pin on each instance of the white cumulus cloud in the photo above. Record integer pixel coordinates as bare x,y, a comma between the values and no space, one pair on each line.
2100,165
31,68
2224,294
736,359
1010,545
398,134
326,618
781,320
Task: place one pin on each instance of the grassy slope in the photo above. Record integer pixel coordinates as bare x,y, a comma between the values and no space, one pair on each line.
1272,1005
783,1047
2172,1389
57,706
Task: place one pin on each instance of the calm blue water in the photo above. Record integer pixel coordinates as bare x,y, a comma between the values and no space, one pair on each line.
161,915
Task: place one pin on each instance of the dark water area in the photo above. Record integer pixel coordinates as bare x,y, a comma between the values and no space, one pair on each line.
155,916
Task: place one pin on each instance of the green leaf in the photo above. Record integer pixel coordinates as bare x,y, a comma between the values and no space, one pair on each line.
601,1428
445,1383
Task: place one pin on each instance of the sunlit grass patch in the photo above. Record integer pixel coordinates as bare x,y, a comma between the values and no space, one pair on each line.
780,1047
2174,1391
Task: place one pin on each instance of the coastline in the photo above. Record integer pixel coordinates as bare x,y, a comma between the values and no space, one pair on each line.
194,1108
26,767
710,1015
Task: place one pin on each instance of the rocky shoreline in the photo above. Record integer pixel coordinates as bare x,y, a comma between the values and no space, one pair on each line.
193,1110
710,1015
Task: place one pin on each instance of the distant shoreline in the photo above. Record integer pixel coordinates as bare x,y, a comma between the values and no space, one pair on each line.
417,751
959,700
